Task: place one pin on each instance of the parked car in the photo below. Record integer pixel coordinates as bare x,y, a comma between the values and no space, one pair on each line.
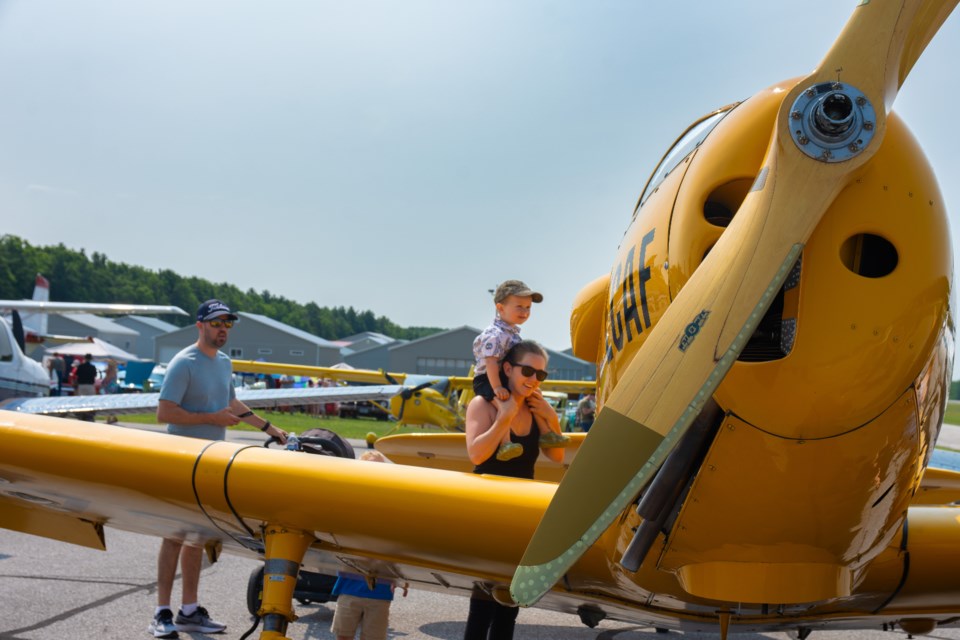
362,409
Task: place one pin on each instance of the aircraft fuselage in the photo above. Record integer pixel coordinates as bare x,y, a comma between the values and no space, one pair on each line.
830,414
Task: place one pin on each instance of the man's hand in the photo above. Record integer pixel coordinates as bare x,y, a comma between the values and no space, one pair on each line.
224,418
277,432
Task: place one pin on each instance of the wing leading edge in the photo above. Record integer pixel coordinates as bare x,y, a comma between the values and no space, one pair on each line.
125,403
46,306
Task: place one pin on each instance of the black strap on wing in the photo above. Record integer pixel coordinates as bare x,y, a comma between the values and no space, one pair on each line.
252,543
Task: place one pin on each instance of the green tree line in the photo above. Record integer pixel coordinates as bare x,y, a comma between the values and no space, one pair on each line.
76,277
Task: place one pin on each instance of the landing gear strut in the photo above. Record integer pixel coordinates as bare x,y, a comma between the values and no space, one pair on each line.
284,553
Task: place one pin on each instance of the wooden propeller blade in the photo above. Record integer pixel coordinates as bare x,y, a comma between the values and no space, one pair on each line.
690,350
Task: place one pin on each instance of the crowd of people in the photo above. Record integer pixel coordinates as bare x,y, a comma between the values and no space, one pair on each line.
509,425
81,376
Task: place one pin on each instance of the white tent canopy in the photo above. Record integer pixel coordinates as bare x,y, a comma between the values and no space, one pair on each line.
99,349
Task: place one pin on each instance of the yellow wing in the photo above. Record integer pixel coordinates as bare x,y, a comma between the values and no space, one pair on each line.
70,480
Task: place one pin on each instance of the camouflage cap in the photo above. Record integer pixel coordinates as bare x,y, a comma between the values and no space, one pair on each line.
509,288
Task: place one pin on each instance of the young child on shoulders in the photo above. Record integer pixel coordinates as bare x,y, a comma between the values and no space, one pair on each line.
513,300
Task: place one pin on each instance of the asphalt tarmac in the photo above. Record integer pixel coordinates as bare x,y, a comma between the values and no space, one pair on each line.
52,591
55,591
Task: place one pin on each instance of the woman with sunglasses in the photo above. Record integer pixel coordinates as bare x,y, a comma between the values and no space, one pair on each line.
525,415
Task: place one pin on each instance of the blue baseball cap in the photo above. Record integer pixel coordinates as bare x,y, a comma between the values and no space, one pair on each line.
214,309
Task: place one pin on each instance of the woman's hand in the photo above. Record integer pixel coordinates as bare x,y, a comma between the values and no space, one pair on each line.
539,406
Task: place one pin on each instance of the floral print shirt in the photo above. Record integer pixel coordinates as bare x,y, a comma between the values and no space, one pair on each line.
494,342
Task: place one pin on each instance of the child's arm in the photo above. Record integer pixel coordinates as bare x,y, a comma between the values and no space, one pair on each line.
546,420
493,375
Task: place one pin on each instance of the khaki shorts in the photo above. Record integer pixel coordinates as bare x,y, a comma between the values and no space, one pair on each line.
368,614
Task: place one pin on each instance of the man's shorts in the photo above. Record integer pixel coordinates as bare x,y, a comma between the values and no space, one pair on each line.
372,616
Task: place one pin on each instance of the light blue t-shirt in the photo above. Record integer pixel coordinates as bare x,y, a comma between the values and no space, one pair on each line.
199,384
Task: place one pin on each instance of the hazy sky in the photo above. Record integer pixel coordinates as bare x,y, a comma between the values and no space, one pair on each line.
402,157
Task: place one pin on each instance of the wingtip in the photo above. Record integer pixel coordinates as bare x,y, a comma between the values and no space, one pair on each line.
532,582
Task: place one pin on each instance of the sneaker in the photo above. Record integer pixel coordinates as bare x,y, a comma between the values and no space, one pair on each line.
509,451
200,621
553,439
162,625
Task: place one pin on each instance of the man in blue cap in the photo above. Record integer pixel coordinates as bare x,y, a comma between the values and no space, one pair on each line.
197,400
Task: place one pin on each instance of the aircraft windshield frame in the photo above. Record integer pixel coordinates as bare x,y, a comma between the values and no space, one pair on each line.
687,143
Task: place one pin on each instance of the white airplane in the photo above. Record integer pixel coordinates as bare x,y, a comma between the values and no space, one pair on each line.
20,375
35,312
24,383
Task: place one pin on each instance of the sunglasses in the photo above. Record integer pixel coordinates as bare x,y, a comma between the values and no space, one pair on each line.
216,324
529,371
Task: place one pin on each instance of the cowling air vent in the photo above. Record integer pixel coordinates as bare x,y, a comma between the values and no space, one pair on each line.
869,255
722,203
777,330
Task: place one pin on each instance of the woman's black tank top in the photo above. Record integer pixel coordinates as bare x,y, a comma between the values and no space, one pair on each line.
521,466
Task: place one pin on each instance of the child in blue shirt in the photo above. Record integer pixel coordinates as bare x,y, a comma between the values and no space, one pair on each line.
359,605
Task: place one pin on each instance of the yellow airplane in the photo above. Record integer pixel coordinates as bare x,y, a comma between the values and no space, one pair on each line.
779,309
775,341
434,401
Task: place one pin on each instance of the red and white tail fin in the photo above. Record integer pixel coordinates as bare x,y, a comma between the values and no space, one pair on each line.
37,322
41,289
